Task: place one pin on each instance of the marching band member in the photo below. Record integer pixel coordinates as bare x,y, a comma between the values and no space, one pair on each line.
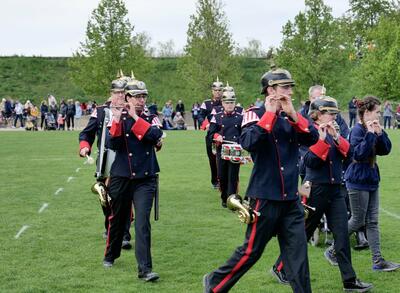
96,127
207,110
324,165
272,135
135,134
225,126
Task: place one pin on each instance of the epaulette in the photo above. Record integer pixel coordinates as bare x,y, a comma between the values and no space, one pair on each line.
254,108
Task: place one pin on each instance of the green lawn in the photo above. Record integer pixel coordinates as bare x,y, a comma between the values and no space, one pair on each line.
62,249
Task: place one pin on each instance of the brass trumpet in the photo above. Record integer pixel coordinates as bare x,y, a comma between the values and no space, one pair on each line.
100,189
308,210
245,213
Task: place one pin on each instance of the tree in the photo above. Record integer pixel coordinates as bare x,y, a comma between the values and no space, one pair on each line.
108,47
253,50
379,71
167,49
209,50
314,51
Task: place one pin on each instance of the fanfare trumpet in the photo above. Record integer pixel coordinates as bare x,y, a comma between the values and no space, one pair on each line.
245,213
100,189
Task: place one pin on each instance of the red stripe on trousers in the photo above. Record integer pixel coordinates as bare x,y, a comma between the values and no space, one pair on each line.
246,256
108,233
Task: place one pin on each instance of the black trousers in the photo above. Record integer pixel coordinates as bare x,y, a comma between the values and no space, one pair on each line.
122,192
284,219
212,161
228,177
329,200
128,221
70,120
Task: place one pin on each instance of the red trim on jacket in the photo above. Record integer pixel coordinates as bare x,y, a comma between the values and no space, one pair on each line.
301,125
267,121
205,124
343,146
140,128
84,144
320,149
115,129
246,255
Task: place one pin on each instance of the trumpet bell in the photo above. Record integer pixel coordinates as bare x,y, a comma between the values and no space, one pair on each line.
100,189
245,213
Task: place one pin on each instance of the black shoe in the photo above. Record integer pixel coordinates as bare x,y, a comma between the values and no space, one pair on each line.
215,185
149,276
223,204
108,263
126,245
206,284
356,286
279,275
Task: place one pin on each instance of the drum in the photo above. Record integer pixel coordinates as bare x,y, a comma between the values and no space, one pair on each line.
235,153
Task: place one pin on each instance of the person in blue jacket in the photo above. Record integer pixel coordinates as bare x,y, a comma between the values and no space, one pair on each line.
324,165
135,134
272,134
368,141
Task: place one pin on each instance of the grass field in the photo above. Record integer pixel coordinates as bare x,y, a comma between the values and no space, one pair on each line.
62,248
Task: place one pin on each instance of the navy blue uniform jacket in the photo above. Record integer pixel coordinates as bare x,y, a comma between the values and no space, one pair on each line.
134,143
324,160
273,141
226,125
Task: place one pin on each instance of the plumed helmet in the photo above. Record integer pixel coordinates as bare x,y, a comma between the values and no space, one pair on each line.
136,87
228,94
276,76
324,104
217,85
118,85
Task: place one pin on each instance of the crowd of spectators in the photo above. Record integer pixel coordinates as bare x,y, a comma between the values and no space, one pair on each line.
64,115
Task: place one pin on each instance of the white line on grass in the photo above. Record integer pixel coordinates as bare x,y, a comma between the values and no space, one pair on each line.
77,170
58,191
390,214
70,178
44,206
24,227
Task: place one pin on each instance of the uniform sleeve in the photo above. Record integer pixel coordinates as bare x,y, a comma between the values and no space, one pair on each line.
252,135
320,149
267,121
309,135
214,129
202,113
343,146
144,130
88,134
301,125
313,160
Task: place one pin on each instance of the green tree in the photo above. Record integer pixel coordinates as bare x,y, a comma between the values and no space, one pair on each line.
314,51
379,70
108,47
209,50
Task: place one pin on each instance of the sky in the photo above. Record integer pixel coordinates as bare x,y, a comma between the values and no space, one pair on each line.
56,27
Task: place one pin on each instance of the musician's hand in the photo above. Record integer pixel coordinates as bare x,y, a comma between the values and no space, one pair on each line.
270,104
219,139
287,107
132,109
370,126
377,127
84,151
116,113
332,130
322,131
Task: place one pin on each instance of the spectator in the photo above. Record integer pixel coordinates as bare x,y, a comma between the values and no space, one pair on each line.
51,99
387,114
195,115
259,103
70,114
63,113
19,110
89,108
60,122
352,111
179,121
53,109
167,115
84,108
33,116
43,110
180,107
78,113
